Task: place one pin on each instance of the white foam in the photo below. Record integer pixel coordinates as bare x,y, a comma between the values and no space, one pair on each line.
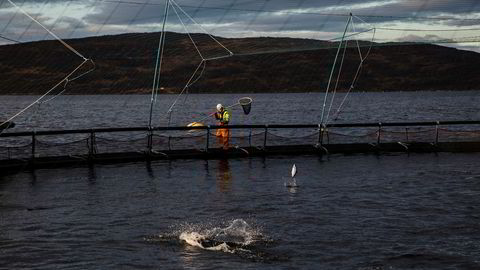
192,238
291,182
238,233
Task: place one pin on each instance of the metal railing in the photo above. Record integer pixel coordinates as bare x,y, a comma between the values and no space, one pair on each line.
323,137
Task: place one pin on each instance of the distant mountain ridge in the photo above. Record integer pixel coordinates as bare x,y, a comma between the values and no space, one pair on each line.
124,64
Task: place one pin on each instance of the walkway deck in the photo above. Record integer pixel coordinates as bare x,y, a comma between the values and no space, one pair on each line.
49,149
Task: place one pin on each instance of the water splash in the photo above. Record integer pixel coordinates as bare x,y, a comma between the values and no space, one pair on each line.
237,235
291,182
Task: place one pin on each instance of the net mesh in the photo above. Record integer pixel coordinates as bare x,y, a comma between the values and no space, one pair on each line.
80,145
61,146
246,104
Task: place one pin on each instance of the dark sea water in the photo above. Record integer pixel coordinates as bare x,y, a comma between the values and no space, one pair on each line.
391,211
71,112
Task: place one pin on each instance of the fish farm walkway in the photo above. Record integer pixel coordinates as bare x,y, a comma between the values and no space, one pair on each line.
56,148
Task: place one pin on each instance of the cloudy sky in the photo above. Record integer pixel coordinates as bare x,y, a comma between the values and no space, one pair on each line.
450,22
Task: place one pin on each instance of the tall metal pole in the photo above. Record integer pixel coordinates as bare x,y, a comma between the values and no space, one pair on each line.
158,64
334,64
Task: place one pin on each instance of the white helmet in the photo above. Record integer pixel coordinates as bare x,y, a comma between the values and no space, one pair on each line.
219,107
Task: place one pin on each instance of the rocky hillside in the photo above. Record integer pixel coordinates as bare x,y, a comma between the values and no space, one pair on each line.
124,64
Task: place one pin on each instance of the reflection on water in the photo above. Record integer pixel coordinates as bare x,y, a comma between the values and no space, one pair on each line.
224,176
149,169
92,175
292,190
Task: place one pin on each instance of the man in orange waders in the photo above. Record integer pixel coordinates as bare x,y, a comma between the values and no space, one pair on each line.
223,134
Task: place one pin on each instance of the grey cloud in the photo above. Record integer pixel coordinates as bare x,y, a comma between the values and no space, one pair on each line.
427,37
243,12
262,15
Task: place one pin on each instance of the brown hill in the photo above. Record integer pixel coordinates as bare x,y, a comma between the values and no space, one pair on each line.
125,64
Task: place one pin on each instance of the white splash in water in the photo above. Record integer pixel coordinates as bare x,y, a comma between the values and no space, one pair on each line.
292,182
192,238
229,239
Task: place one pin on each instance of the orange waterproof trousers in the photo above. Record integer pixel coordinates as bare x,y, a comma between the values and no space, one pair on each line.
223,136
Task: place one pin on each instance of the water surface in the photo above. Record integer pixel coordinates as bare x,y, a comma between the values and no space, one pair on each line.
396,211
348,212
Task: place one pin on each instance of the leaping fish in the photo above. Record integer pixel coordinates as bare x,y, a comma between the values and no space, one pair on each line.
292,182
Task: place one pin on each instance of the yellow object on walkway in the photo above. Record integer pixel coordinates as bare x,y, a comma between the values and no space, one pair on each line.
196,124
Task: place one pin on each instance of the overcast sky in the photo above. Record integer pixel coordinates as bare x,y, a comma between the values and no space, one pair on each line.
457,21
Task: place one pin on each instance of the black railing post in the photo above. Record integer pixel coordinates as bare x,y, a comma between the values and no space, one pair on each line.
169,143
208,139
406,134
250,138
149,140
265,137
436,132
33,146
379,132
91,150
320,135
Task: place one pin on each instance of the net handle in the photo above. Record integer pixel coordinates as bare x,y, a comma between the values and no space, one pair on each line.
230,106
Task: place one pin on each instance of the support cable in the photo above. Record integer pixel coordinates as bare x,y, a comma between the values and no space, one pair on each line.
9,39
188,33
108,18
79,23
355,79
66,79
338,79
32,22
44,95
59,18
50,32
202,65
185,87
11,18
357,73
158,63
162,51
333,68
201,27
